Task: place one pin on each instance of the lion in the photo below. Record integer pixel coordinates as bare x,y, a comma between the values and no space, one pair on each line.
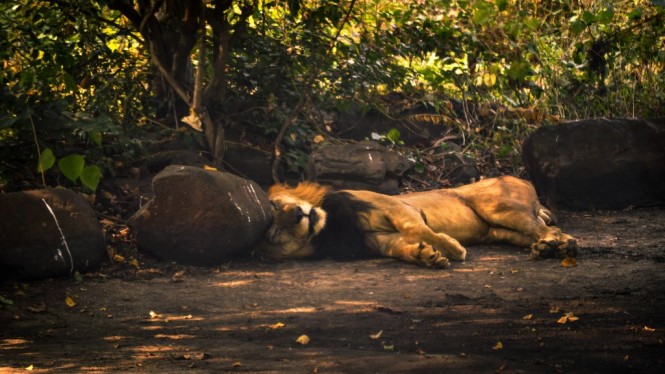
426,228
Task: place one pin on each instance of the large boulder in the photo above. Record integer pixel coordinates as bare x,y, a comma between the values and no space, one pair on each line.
48,233
201,217
360,166
598,163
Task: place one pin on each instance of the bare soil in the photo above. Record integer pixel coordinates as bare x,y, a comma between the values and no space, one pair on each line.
500,311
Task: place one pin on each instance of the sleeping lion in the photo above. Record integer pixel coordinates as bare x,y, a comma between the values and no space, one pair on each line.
425,228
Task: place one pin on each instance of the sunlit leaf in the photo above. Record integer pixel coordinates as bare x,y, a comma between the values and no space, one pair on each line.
498,346
527,317
118,258
568,317
46,160
318,139
90,176
568,262
71,166
30,368
153,314
134,262
70,302
377,335
208,167
649,329
389,348
303,339
276,325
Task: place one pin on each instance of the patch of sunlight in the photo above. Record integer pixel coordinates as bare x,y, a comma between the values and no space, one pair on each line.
13,342
474,270
303,309
438,275
174,337
114,338
233,284
496,258
248,274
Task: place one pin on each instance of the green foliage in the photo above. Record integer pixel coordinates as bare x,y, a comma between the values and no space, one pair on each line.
80,73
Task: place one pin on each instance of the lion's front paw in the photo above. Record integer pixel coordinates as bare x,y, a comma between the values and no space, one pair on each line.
557,244
432,258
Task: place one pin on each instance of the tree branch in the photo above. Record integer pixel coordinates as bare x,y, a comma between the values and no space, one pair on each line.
303,98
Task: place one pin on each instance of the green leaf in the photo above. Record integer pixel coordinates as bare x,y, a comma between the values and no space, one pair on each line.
90,176
635,14
46,160
577,26
482,15
606,16
393,135
71,166
96,136
588,17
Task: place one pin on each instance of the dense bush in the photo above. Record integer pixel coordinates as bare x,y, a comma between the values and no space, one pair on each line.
82,77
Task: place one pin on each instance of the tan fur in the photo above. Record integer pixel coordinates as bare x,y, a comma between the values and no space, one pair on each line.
428,228
311,192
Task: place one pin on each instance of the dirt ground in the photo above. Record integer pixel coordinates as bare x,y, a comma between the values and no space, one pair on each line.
500,311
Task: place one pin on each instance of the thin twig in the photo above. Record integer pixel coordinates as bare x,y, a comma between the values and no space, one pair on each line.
39,152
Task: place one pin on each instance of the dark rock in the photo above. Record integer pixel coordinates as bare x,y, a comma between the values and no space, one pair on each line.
201,217
32,245
598,163
250,163
367,166
459,169
160,160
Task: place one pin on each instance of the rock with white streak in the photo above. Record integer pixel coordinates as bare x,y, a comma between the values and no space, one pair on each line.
48,233
201,217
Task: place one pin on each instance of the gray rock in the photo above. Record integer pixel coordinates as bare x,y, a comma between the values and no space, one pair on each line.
200,217
598,163
367,166
31,239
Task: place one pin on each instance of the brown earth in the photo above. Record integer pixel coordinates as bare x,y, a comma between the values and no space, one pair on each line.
496,312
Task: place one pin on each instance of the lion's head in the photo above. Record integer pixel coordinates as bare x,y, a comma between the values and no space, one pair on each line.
297,217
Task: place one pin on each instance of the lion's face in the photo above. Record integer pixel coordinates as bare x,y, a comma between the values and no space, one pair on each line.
295,222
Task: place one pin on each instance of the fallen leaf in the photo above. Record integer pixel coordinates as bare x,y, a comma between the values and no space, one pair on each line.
649,329
118,259
498,346
513,270
568,317
70,302
276,325
390,348
527,317
37,308
554,309
318,139
134,262
236,364
568,262
5,301
208,167
30,368
377,335
177,277
153,314
303,339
